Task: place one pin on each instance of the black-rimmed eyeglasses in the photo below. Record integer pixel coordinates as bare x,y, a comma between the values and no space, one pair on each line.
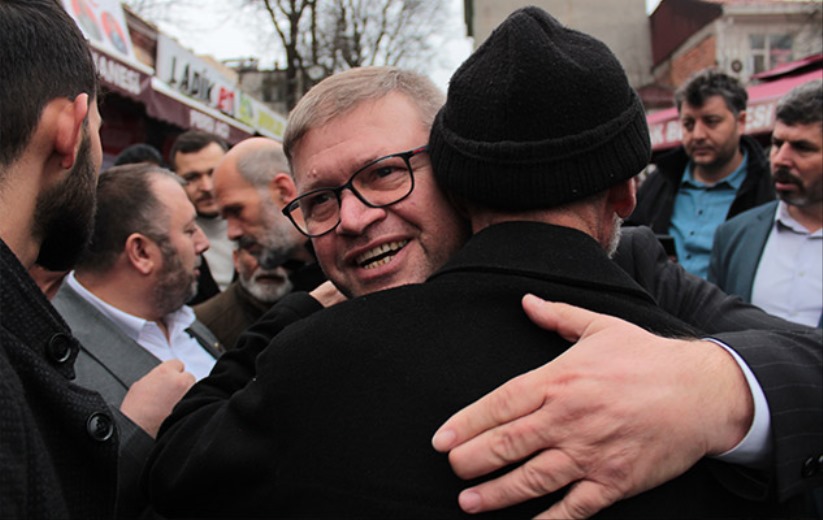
382,182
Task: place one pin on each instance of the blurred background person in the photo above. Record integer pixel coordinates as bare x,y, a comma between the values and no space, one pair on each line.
138,153
716,174
772,255
193,156
254,291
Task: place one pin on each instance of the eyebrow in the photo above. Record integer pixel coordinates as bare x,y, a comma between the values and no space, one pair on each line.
363,163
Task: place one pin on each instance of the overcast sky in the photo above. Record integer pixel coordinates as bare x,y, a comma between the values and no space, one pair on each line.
226,32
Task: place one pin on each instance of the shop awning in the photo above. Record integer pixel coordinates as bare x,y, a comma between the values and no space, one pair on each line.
137,81
664,125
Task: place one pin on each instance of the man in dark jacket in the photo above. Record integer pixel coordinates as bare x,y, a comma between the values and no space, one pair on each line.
58,442
339,417
716,174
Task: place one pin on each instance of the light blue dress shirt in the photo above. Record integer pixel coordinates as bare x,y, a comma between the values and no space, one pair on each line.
698,209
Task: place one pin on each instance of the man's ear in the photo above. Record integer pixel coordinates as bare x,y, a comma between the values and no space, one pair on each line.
282,189
142,253
623,197
69,130
741,121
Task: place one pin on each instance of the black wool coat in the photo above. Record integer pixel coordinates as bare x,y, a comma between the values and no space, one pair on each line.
58,442
339,418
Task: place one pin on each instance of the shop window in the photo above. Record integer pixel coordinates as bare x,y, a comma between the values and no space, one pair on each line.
770,50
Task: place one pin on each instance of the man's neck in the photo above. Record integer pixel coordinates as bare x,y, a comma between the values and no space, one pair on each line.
18,200
810,217
715,174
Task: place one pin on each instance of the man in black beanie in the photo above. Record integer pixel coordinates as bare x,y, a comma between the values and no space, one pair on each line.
339,417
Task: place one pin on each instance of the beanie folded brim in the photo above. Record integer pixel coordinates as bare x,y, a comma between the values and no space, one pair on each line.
515,176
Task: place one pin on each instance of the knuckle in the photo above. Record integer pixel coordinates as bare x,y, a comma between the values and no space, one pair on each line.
538,480
504,446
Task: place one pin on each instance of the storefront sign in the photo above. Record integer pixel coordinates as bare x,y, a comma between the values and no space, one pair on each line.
183,71
103,23
262,118
120,77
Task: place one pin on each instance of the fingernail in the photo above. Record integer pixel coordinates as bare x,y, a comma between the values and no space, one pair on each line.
469,501
443,440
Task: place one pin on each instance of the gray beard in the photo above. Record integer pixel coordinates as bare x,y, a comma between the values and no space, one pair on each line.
614,240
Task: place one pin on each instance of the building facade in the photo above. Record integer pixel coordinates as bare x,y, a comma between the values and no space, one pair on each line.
621,24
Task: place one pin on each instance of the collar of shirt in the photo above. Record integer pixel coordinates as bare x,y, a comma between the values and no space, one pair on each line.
784,222
131,325
734,181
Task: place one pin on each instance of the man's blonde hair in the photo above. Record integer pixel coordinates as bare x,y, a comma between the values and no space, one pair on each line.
341,93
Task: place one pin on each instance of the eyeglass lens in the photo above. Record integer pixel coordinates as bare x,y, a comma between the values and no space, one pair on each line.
378,184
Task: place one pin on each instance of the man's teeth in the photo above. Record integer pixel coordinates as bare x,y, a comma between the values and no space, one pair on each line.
380,255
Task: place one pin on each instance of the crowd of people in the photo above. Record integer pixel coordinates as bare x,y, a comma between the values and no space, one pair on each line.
417,305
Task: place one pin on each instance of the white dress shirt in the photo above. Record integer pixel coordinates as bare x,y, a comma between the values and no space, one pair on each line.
789,279
180,345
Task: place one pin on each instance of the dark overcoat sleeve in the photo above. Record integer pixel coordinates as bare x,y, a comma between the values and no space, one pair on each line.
786,358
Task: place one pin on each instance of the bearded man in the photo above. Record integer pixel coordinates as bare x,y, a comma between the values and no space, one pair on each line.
125,301
58,446
771,255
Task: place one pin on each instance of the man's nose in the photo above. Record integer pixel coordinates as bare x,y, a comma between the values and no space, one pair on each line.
201,242
355,216
699,130
233,229
782,155
206,183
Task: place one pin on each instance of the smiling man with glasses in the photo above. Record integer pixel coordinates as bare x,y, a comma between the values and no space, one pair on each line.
367,193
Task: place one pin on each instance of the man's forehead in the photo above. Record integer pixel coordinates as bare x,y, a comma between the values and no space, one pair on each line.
207,158
799,131
373,129
712,104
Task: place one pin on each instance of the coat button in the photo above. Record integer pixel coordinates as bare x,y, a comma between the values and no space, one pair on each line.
100,427
59,348
811,466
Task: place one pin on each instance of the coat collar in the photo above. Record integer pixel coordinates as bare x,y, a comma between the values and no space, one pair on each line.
43,326
544,252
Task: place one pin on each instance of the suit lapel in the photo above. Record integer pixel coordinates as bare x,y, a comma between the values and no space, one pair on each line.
752,247
126,360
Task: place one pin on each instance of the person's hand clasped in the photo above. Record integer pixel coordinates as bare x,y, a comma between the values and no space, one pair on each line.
152,397
327,294
619,413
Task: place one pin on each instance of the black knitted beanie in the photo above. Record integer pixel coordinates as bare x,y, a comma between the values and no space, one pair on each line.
539,115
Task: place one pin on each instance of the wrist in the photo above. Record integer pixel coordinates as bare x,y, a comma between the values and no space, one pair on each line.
729,405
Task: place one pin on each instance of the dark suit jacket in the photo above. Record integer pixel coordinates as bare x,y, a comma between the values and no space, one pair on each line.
786,358
339,418
110,362
738,246
58,443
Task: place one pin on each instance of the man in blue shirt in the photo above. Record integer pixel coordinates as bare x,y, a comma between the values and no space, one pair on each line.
717,173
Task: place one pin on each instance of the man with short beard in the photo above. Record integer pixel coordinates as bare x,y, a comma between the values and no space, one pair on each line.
58,442
125,301
772,256
256,289
718,172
